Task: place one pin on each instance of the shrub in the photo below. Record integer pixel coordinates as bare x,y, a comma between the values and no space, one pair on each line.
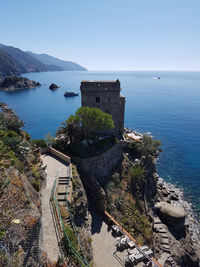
35,171
13,124
26,135
147,147
137,172
36,185
64,212
74,182
72,237
39,143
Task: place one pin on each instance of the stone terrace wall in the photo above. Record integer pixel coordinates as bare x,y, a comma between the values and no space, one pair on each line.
59,155
100,166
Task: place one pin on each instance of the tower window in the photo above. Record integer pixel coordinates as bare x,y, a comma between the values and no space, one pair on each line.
97,99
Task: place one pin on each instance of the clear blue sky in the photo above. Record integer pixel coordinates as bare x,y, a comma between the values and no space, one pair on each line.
107,34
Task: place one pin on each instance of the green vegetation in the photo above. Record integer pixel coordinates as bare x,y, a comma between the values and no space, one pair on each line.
93,120
85,124
137,173
84,150
60,261
19,168
49,139
63,212
147,147
125,200
39,143
15,148
3,259
72,237
71,129
10,123
135,222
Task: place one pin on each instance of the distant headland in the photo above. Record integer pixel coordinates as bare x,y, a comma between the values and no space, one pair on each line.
14,61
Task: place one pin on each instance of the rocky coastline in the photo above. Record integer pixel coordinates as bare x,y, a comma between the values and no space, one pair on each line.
12,83
176,230
175,196
176,244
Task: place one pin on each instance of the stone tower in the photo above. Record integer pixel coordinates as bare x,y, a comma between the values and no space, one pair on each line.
105,95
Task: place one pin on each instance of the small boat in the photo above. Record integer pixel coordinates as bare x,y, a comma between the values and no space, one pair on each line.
68,94
156,78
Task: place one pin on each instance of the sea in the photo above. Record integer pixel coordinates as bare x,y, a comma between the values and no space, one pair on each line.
167,109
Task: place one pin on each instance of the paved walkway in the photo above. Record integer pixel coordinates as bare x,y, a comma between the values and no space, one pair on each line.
104,244
48,241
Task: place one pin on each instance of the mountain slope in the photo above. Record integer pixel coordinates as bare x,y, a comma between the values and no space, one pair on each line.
7,65
49,60
14,61
23,61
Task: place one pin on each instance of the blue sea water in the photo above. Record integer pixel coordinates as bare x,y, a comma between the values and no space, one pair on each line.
169,108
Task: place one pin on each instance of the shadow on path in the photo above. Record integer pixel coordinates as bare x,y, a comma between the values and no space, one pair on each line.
97,221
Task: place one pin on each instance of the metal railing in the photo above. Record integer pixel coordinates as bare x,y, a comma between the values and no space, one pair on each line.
154,262
82,261
71,217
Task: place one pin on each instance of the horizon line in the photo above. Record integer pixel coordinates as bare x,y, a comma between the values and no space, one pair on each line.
149,70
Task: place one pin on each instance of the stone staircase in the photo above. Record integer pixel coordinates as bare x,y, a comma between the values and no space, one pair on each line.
160,228
61,190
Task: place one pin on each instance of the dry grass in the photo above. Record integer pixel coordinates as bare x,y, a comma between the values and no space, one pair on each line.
64,212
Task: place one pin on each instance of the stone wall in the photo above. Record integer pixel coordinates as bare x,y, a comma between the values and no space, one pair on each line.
59,155
100,166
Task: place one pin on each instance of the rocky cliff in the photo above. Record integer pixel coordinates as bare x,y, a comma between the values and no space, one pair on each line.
152,211
21,177
81,214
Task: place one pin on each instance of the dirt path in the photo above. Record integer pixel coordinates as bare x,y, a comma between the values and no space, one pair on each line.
48,240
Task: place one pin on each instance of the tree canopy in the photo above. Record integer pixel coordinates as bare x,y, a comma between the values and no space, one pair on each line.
94,119
86,120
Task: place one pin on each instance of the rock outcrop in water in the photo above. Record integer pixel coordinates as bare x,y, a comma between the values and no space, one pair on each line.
53,86
12,83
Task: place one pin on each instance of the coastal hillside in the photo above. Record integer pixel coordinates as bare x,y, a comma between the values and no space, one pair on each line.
23,62
7,65
20,204
14,61
52,62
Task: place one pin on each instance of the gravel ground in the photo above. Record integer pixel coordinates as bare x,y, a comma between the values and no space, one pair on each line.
48,240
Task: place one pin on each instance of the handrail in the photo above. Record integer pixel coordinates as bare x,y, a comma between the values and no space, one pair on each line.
154,262
81,261
71,218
